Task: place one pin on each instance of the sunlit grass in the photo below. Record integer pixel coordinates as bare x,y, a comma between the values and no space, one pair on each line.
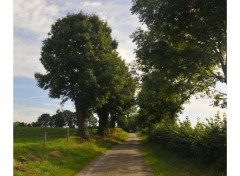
58,157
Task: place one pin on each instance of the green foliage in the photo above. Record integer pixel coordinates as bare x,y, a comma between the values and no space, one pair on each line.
220,100
92,121
181,53
184,40
117,133
190,34
21,124
121,87
77,57
206,142
63,118
160,98
166,163
60,119
43,120
122,98
212,146
129,123
70,118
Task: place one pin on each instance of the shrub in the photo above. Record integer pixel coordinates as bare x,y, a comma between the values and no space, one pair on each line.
205,141
212,145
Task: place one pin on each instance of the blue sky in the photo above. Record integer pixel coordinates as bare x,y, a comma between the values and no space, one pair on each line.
30,101
32,22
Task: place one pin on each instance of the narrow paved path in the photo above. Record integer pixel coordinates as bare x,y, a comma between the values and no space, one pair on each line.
122,160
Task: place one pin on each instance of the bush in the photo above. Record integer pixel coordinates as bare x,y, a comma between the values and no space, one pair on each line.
212,145
205,141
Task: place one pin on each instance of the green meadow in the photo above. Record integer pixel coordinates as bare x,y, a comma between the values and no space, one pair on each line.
58,156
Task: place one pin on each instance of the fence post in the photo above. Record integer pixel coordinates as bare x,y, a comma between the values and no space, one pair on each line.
44,137
67,134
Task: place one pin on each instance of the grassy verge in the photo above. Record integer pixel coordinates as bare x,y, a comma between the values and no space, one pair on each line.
166,163
58,157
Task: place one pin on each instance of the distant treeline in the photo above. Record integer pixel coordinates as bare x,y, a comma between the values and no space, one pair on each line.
61,119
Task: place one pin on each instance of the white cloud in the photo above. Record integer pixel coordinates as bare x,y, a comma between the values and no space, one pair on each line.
29,114
26,59
34,16
32,22
118,17
200,108
94,4
25,113
123,24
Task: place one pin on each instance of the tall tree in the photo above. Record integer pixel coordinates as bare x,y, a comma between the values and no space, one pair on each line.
129,122
70,118
74,55
121,87
63,118
58,119
122,95
183,39
43,120
161,98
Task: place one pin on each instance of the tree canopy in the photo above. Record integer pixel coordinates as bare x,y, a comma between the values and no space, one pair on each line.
121,87
182,52
183,38
76,56
43,120
161,98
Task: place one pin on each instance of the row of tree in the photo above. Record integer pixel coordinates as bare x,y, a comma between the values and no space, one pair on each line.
61,119
82,65
182,53
64,118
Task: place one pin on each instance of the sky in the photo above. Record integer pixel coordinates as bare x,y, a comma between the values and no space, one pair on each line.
32,22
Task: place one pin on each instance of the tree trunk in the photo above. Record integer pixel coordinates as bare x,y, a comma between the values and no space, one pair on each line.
81,122
103,121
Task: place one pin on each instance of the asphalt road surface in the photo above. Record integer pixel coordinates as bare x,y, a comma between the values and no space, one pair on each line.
122,160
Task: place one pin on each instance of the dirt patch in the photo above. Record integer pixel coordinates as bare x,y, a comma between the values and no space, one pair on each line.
18,166
55,153
31,158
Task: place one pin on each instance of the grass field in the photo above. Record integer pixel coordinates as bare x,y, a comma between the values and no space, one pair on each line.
59,156
165,163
